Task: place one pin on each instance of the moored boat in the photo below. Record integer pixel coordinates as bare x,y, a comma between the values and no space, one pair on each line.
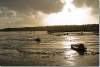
78,47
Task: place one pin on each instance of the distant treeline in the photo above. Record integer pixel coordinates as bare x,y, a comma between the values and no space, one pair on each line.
60,28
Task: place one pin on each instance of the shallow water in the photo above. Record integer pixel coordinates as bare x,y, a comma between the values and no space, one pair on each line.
19,48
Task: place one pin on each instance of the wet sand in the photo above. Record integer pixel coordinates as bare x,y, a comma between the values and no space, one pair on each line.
46,57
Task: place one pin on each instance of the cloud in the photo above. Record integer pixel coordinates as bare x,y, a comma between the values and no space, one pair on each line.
94,4
18,13
46,6
5,12
14,18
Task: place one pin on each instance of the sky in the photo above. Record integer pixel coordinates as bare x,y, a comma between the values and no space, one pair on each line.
30,13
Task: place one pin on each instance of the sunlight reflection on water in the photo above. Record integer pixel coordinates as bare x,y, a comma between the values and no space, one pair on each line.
67,44
70,55
69,40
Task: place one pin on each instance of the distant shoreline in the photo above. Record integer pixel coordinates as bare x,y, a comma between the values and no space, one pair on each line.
61,28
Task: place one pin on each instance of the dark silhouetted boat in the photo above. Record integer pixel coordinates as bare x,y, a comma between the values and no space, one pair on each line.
38,40
79,47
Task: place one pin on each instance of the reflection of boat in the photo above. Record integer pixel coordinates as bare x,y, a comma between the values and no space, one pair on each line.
78,47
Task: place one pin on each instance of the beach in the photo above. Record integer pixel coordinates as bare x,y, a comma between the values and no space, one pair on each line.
19,49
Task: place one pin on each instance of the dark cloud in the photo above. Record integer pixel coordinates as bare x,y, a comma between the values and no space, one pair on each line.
90,3
14,18
46,6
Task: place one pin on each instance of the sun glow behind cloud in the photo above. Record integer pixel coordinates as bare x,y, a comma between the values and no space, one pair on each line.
71,15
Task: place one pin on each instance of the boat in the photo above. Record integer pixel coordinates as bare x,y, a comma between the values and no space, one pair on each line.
38,40
78,47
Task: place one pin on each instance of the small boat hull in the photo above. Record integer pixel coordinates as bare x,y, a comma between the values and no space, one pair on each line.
78,47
